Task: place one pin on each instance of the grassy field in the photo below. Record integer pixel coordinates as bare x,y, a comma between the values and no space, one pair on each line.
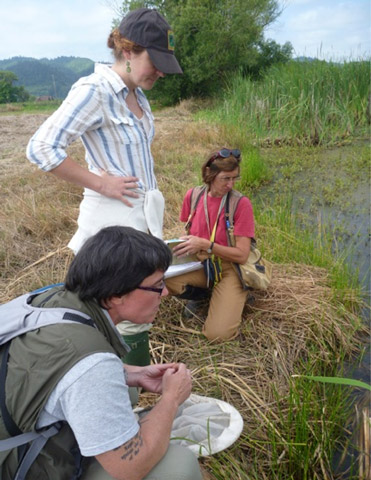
29,107
299,103
307,323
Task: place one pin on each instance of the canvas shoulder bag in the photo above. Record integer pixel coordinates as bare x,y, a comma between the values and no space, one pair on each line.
256,272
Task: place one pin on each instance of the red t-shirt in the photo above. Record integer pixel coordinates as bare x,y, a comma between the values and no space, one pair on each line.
243,218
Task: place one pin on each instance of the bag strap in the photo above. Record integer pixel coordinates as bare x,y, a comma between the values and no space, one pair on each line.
13,442
18,439
213,231
35,448
229,220
9,423
194,204
229,225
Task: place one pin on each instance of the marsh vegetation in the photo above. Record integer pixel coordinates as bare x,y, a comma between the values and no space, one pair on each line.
308,322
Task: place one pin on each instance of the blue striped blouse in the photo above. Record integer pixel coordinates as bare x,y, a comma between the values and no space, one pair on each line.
115,140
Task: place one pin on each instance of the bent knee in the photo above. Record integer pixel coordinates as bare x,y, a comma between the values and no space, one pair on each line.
179,462
219,334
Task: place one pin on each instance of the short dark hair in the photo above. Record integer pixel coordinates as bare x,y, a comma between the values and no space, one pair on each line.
114,262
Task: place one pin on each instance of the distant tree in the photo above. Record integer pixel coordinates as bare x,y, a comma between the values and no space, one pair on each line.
269,52
8,92
214,39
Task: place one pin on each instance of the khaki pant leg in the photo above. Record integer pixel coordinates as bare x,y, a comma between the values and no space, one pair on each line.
178,463
226,306
176,285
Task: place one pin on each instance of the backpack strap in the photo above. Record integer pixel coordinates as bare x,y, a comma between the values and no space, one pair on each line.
13,442
196,195
231,204
38,441
230,207
9,423
233,199
35,448
48,287
18,439
72,316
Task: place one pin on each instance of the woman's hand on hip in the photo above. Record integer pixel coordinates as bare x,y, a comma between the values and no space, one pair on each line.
118,187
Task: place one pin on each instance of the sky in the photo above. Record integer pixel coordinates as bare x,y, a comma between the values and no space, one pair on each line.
326,29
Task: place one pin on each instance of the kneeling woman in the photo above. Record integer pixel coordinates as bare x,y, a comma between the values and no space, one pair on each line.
207,235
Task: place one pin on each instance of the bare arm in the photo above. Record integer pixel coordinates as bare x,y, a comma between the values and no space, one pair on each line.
237,254
135,458
107,185
80,112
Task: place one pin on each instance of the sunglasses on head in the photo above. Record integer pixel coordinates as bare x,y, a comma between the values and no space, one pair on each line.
225,153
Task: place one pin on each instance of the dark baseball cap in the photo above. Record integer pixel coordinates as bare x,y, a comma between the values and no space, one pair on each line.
147,28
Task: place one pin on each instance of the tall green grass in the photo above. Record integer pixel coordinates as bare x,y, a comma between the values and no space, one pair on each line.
308,434
298,102
287,241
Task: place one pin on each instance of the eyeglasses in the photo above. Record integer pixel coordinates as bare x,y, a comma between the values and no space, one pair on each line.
225,153
229,179
159,289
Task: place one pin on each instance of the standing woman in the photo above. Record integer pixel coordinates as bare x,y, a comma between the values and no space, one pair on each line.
110,113
207,235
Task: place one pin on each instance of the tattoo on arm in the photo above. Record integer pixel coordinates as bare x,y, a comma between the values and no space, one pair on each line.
132,447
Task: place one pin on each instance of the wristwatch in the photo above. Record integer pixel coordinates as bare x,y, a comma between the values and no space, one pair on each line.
209,250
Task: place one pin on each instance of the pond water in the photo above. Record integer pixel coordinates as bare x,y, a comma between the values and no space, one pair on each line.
330,193
349,227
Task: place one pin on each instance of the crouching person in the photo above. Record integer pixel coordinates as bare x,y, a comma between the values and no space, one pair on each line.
208,211
61,372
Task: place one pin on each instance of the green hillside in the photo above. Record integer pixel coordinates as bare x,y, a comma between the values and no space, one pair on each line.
52,77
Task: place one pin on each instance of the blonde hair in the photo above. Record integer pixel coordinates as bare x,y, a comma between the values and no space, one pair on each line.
118,43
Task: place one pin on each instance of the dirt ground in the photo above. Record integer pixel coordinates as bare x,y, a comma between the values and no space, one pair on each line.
15,131
39,212
177,139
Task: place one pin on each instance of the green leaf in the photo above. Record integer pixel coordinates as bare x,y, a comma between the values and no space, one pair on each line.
338,381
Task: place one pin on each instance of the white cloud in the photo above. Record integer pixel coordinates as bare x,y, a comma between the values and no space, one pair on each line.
50,28
327,29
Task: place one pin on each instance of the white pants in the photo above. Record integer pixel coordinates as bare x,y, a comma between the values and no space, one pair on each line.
98,211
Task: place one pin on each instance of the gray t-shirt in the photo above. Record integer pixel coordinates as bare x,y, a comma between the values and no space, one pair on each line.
93,398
